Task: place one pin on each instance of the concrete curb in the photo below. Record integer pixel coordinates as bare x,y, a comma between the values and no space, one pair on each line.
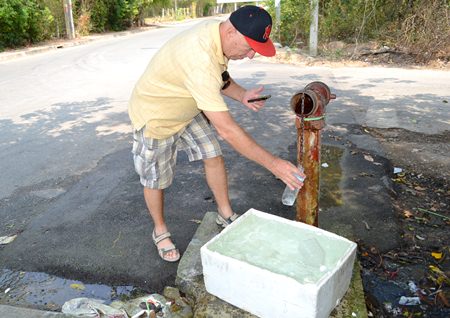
61,44
5,56
17,312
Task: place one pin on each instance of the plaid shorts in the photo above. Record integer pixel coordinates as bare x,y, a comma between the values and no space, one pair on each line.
155,159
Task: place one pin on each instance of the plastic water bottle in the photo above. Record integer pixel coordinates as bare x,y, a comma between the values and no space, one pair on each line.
289,196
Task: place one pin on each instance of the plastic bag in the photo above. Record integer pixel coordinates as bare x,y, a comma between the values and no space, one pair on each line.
85,307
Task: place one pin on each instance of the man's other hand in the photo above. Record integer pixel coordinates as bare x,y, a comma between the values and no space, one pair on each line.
253,93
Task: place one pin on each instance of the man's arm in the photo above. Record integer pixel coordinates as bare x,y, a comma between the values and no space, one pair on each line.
243,143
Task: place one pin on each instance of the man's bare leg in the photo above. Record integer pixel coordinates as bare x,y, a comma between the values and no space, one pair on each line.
154,198
216,177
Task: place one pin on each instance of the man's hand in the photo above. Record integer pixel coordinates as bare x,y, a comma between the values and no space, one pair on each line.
253,93
285,171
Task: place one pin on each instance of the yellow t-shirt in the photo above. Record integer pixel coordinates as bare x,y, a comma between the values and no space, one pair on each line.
182,79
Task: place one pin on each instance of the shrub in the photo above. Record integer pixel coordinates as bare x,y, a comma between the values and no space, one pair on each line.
420,26
99,16
294,22
425,32
23,22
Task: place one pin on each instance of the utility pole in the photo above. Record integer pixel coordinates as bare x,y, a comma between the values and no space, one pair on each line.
70,29
314,27
277,19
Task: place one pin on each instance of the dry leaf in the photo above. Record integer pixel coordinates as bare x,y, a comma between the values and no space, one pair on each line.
441,277
442,297
419,188
367,225
407,213
420,237
77,286
437,255
7,239
368,158
400,179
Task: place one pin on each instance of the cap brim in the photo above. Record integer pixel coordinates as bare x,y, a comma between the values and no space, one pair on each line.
267,48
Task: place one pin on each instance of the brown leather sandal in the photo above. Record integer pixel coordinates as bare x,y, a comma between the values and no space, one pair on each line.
220,220
165,250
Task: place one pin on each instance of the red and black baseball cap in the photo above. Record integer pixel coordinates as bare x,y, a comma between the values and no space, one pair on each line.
255,24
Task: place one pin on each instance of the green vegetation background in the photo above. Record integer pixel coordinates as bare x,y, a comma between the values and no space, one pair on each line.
420,27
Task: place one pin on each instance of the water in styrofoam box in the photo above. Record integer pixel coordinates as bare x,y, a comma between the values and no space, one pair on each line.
270,248
281,248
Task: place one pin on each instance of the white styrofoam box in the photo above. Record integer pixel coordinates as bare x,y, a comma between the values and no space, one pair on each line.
287,287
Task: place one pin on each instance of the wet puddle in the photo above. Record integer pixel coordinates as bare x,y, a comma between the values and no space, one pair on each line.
330,177
47,292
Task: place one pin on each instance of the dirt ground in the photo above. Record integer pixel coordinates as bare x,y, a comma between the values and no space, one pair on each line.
364,54
419,267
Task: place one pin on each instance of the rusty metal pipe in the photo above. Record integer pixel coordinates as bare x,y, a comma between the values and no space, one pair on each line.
307,205
309,106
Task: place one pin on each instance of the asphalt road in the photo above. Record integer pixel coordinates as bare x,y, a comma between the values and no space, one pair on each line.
68,188
75,97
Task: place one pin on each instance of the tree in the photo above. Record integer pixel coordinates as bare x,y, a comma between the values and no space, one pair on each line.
23,22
